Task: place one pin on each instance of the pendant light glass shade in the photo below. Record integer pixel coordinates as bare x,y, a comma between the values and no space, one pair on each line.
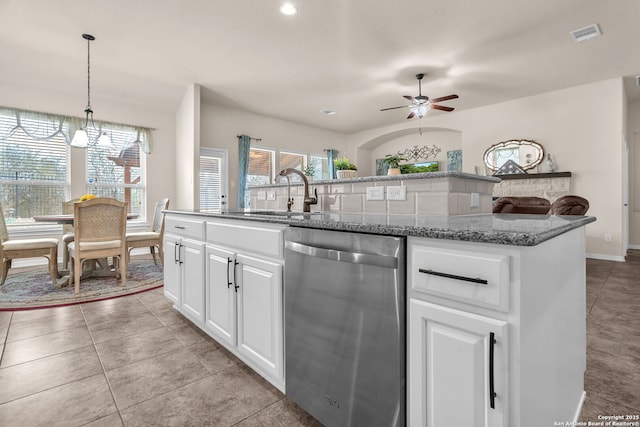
80,139
104,140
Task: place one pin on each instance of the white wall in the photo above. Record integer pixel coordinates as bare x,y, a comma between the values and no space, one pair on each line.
220,127
633,139
160,164
581,127
187,149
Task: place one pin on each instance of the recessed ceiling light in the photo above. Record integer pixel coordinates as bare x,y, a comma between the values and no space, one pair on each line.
586,33
288,9
328,112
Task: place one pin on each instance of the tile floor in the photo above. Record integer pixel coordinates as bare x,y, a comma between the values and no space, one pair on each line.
134,361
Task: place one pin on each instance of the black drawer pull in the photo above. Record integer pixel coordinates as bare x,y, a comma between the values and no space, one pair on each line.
453,276
492,390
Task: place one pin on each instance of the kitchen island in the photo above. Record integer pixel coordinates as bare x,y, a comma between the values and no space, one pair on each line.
496,331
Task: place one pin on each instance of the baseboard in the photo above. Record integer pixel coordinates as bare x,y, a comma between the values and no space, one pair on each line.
606,257
634,246
576,417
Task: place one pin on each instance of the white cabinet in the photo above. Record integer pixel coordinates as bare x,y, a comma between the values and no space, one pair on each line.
461,361
529,299
184,266
244,295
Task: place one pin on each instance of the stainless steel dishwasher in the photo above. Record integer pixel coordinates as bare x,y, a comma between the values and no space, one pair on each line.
345,326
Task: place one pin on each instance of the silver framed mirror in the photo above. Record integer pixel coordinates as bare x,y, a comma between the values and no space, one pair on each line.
526,153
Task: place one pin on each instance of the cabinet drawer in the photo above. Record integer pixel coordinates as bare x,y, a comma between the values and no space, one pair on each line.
471,277
260,240
188,228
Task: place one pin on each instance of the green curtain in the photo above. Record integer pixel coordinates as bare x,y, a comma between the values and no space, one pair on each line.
244,145
332,154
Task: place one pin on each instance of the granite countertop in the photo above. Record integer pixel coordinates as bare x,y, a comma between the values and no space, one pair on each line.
503,229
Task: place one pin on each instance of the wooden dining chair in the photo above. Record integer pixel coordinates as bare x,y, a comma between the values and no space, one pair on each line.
26,248
153,237
99,227
67,230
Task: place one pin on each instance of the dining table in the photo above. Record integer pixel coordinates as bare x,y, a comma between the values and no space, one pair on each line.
97,268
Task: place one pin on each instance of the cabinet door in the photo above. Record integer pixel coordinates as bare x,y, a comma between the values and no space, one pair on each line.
192,257
453,366
170,247
221,295
260,327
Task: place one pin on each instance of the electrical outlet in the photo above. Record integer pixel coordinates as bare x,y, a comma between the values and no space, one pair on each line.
375,193
397,193
271,195
475,200
607,237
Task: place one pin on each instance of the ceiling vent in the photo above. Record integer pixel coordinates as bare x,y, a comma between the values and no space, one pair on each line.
586,33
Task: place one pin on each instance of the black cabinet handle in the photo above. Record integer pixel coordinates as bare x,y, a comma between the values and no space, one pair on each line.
453,276
180,254
235,264
175,253
228,278
492,391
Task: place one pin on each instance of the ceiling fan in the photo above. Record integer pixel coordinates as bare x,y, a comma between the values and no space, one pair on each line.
421,103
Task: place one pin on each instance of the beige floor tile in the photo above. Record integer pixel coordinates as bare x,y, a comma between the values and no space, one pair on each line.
115,308
284,413
139,381
238,394
213,356
72,404
46,325
5,319
32,377
45,345
155,300
24,315
132,348
187,333
119,327
169,316
112,420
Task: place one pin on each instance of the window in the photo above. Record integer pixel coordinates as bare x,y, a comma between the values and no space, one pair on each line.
320,167
34,173
35,164
261,166
294,161
117,171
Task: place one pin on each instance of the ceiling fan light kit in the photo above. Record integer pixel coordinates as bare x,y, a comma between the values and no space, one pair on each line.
421,104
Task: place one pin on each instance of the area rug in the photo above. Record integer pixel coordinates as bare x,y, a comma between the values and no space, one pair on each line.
27,289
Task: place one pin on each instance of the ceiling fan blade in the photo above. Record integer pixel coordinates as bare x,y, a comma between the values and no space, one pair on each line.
444,98
409,97
393,108
411,115
440,107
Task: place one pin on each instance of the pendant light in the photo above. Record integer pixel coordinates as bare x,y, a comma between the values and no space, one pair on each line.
81,137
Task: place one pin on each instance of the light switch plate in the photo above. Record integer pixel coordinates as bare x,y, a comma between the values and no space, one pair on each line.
271,195
375,193
397,192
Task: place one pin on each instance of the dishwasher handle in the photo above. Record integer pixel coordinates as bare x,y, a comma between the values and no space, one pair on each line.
343,256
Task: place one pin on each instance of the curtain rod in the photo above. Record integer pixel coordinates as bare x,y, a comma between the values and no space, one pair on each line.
255,139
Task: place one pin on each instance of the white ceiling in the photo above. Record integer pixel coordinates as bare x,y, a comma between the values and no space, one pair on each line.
351,56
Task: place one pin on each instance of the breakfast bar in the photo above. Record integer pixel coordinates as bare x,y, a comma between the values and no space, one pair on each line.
493,313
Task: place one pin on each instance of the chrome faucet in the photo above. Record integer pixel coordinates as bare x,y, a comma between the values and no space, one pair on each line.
308,201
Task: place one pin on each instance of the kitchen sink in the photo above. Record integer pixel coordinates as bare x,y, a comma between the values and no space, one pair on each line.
279,214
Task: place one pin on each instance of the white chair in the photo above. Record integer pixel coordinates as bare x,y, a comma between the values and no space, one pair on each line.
99,227
26,248
153,237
